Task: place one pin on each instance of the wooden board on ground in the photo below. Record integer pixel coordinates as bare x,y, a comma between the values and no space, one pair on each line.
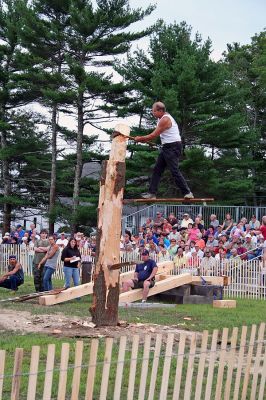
212,280
224,303
160,286
170,200
87,288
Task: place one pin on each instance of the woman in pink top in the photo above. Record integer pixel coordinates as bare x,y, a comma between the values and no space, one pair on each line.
193,232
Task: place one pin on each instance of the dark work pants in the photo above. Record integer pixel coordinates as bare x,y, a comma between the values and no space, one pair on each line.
169,157
38,277
11,283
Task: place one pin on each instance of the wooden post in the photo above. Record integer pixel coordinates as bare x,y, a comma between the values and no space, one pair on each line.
104,310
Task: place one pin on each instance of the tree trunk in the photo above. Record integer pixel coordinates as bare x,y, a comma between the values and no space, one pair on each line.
78,169
53,170
106,288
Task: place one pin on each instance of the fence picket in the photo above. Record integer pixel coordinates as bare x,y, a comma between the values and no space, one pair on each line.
240,360
144,368
120,367
77,370
34,364
63,372
190,367
167,365
212,359
263,378
106,368
248,363
156,358
91,369
230,365
17,374
133,366
2,370
257,361
218,392
199,380
48,380
179,365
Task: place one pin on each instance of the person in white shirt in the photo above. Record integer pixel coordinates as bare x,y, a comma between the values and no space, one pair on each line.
186,220
62,241
170,153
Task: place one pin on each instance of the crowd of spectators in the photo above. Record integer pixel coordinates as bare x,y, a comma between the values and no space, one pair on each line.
194,242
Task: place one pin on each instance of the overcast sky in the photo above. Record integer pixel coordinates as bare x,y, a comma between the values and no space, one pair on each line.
224,21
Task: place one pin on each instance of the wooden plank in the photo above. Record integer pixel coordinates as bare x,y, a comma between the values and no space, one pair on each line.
224,303
63,372
144,368
240,359
106,368
17,370
155,364
212,280
120,367
48,381
203,350
34,364
179,365
77,370
190,367
167,365
220,374
263,378
170,200
2,370
230,365
87,288
257,361
133,367
92,369
248,362
161,286
212,359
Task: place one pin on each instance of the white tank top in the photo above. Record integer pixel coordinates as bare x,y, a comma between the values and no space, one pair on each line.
172,134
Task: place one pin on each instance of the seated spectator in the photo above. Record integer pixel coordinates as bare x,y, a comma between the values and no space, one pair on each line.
14,277
199,223
237,230
253,251
187,252
184,234
173,247
158,221
166,226
180,261
174,234
172,219
218,232
198,251
144,276
200,242
148,224
153,250
192,246
186,220
214,221
163,254
228,223
208,264
212,243
254,223
194,260
241,250
193,232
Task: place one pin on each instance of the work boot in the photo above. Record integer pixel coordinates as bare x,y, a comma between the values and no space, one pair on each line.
189,196
148,195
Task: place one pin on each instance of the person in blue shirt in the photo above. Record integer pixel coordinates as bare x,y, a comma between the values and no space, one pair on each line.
144,276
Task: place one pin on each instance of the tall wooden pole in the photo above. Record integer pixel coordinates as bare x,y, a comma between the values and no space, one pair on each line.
104,310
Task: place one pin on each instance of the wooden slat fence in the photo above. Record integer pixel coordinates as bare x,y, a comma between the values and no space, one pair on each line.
221,365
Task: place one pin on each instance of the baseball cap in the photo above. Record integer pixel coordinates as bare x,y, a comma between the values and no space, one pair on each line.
145,253
19,226
248,235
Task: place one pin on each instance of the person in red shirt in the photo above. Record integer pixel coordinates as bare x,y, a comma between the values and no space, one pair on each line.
262,230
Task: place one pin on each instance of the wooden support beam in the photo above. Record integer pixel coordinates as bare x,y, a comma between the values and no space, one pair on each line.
161,286
212,280
87,288
170,200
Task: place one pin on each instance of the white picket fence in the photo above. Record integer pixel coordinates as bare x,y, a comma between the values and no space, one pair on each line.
248,278
220,365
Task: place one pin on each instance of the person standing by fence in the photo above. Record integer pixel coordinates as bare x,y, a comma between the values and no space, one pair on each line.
50,263
40,249
72,260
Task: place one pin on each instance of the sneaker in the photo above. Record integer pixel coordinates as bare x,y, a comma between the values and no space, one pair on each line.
189,196
148,195
143,301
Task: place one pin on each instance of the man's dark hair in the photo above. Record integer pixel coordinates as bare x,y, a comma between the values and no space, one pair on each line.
44,231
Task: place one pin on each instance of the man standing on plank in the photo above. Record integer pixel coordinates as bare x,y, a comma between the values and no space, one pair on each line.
144,276
169,155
